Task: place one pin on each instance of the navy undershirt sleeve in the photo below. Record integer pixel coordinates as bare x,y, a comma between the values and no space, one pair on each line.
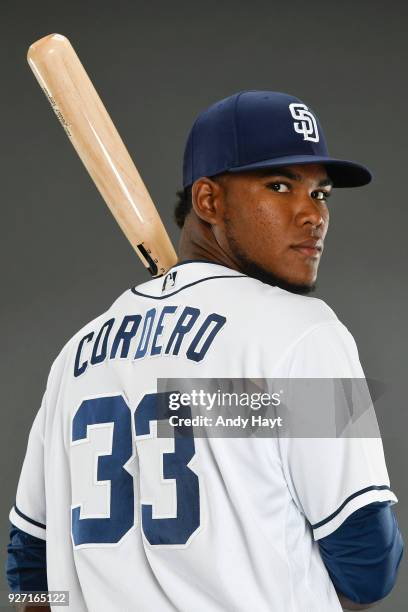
362,556
26,565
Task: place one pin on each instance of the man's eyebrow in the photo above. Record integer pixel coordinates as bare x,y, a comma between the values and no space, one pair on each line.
273,172
280,172
326,182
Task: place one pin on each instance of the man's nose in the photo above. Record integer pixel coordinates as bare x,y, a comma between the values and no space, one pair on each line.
310,211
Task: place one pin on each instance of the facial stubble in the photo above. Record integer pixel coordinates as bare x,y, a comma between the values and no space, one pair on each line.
254,270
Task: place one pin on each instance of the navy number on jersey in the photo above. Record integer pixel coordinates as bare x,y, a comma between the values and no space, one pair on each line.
101,432
159,525
102,464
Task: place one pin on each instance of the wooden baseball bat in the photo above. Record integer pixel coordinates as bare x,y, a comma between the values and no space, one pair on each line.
97,142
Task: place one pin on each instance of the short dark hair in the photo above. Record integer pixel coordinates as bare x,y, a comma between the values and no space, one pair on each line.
183,205
184,202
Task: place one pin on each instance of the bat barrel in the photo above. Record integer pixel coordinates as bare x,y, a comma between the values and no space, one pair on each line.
97,142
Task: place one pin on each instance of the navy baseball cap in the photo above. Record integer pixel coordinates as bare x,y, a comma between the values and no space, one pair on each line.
262,129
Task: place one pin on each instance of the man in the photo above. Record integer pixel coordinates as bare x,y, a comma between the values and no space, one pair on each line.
137,521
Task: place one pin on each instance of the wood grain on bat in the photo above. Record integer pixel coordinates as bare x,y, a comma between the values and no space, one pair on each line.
97,142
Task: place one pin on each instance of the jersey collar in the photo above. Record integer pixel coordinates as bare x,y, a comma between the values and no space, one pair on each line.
183,275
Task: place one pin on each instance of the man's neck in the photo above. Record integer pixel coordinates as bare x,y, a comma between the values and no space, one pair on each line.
197,241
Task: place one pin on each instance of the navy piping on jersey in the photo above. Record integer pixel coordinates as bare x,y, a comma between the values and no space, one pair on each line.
201,280
28,519
188,261
336,512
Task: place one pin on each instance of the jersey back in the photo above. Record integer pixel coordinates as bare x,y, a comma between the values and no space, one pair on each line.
136,521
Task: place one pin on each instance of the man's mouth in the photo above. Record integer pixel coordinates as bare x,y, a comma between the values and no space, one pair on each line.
309,248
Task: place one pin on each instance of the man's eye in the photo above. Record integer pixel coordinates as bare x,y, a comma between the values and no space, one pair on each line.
321,195
280,187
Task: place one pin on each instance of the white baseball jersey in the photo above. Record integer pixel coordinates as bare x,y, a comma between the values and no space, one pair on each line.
134,522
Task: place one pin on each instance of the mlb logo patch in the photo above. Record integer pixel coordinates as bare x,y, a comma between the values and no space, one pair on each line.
169,281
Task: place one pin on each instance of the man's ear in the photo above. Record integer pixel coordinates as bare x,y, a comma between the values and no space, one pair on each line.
207,200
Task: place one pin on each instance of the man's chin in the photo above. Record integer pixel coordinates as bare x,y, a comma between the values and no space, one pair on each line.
296,288
255,271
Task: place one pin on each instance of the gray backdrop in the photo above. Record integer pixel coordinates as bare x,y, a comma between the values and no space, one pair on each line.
156,65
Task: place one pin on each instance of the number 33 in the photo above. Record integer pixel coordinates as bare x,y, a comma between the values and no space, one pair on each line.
103,488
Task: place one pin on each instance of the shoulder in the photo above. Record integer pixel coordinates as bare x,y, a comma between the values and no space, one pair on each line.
323,347
298,313
309,336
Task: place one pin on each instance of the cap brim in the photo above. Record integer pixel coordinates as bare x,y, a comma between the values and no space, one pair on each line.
342,172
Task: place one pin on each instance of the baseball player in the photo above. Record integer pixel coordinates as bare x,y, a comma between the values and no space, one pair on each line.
127,520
